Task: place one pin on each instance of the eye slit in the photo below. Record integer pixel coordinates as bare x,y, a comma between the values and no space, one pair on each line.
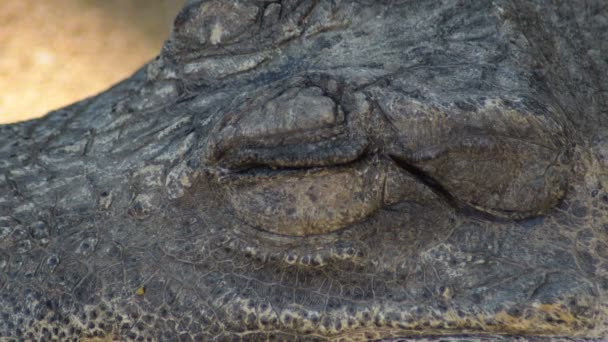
321,154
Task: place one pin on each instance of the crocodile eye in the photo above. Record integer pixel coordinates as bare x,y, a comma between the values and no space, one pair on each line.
293,166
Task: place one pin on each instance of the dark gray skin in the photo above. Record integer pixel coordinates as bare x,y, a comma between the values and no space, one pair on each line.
324,170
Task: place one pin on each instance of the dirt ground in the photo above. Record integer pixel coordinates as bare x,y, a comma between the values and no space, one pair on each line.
53,53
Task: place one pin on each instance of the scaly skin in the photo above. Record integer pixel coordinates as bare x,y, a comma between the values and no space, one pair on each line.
323,170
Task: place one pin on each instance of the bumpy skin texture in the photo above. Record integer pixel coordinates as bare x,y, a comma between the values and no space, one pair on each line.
324,170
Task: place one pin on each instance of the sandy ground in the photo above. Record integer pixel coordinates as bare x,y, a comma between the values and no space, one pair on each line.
53,53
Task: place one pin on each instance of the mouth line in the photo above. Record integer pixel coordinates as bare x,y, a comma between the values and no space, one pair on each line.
395,322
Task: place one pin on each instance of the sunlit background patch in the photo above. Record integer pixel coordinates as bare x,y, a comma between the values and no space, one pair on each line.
53,53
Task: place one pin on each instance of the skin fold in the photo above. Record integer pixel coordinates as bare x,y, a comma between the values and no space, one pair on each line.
323,170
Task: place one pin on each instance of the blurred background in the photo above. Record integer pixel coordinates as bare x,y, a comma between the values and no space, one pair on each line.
53,53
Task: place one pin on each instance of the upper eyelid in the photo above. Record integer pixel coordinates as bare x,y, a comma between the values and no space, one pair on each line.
316,117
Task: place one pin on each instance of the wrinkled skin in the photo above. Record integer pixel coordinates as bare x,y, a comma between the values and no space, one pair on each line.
312,170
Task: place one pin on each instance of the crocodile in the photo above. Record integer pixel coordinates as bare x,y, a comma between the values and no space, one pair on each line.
323,170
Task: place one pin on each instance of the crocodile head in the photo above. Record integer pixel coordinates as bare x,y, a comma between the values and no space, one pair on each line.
321,170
